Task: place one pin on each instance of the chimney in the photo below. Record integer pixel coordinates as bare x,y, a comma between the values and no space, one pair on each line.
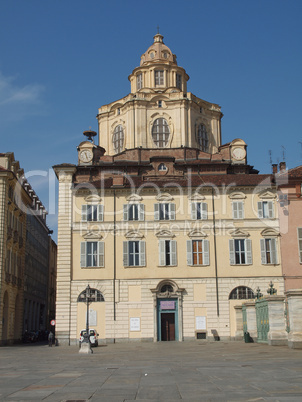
282,165
275,168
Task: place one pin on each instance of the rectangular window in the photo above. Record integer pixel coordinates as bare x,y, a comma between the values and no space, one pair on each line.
300,244
178,81
238,210
92,213
134,254
199,210
92,254
265,209
164,212
198,252
268,251
159,77
139,81
134,212
240,251
167,253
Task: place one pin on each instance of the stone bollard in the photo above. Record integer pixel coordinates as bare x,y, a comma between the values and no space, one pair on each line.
277,334
294,298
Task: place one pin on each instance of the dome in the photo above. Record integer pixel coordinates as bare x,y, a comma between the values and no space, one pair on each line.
158,52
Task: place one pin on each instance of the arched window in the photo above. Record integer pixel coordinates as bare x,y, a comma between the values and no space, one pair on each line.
162,167
95,296
118,139
160,132
166,288
241,293
202,138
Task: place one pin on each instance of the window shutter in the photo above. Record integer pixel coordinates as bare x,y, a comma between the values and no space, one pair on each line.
162,253
240,210
248,252
141,212
204,212
232,252
100,213
206,252
84,213
125,254
189,252
101,258
125,212
172,211
260,209
156,212
263,251
173,252
274,251
270,209
142,253
193,211
83,253
235,210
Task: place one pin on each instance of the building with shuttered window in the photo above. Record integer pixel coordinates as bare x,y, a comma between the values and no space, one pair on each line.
169,226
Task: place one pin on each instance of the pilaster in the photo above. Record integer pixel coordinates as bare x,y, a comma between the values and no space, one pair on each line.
277,334
64,257
294,298
239,323
251,319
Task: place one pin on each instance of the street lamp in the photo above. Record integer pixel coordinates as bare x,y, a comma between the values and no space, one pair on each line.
88,299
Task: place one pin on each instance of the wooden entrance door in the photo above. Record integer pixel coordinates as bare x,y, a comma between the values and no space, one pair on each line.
168,326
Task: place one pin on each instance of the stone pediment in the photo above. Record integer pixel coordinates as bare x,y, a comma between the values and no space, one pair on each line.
197,233
238,142
134,234
93,198
164,197
165,233
269,232
237,195
92,236
267,194
134,197
239,233
197,197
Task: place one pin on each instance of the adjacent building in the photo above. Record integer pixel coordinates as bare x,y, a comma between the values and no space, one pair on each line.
168,226
24,254
290,213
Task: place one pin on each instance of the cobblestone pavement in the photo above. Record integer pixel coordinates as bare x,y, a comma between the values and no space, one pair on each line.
167,371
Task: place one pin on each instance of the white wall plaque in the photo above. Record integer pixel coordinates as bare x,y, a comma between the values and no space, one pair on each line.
135,324
201,322
92,318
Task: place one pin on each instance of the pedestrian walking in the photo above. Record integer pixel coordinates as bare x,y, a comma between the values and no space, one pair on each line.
50,338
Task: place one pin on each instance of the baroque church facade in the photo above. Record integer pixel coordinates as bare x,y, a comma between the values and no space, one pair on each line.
168,226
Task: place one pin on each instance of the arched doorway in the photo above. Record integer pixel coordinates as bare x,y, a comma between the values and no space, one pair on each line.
97,313
167,298
238,296
18,319
5,318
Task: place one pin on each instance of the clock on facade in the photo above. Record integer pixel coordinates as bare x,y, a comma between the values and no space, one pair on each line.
86,155
238,153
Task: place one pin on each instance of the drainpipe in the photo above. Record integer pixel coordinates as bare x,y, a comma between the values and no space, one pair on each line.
114,254
215,252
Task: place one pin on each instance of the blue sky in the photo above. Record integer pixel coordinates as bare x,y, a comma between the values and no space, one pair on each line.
61,60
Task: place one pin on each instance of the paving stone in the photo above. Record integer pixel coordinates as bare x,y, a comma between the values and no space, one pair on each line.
168,371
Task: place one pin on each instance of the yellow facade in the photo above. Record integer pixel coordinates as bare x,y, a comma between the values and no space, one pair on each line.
172,227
